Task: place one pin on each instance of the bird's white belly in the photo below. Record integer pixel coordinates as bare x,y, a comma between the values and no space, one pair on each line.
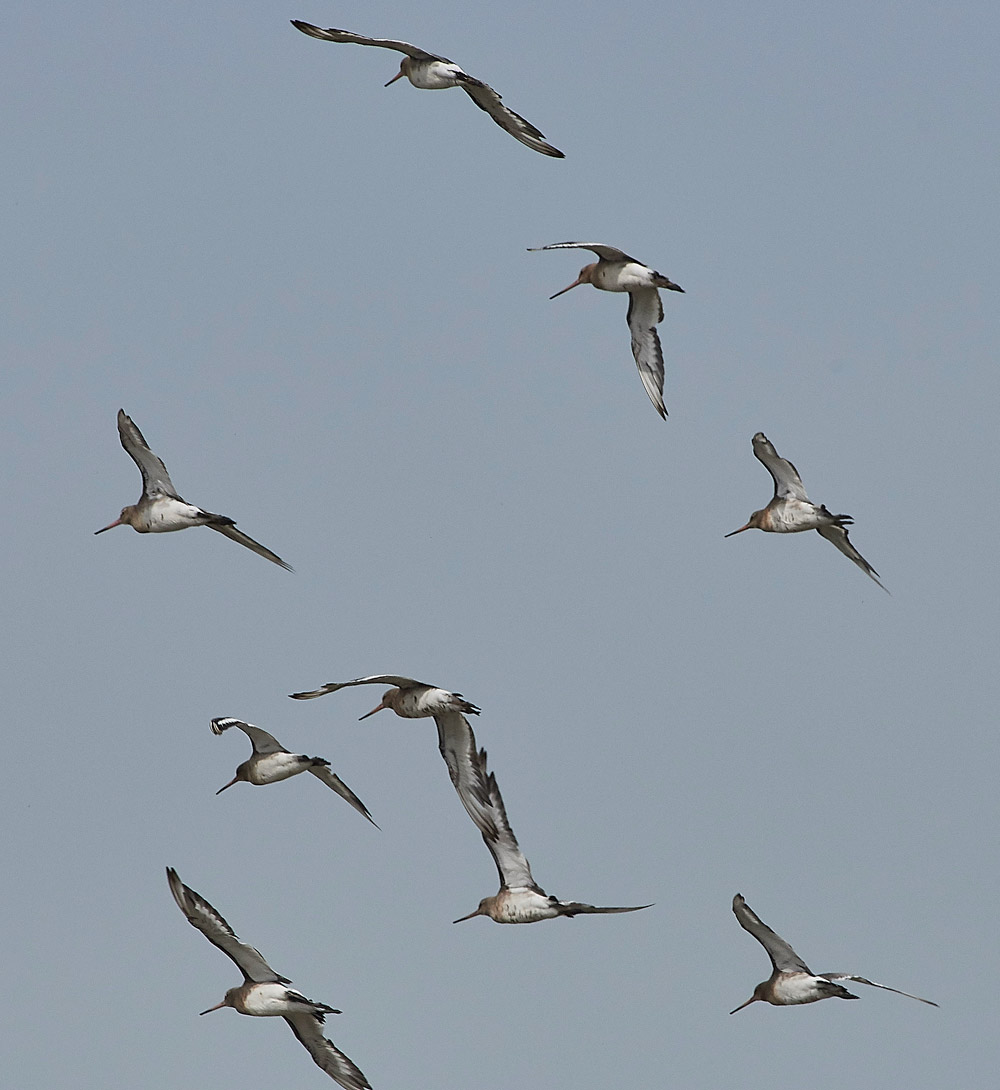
277,766
416,704
524,906
794,516
433,75
267,1000
169,514
797,989
627,277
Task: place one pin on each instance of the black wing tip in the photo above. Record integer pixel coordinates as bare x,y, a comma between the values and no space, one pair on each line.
181,893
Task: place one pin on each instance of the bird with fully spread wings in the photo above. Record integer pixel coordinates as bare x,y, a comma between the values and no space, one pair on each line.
520,899
265,993
790,510
616,271
792,982
160,509
272,762
430,72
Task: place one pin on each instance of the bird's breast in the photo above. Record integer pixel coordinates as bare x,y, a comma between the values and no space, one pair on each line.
418,703
277,766
523,906
615,276
433,75
794,988
266,1001
164,515
792,516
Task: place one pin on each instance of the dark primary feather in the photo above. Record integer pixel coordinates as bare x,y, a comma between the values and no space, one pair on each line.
782,956
212,925
325,1054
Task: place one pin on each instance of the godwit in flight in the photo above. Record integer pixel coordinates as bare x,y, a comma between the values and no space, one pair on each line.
413,699
410,699
790,511
272,762
160,510
263,992
792,981
430,72
616,271
520,899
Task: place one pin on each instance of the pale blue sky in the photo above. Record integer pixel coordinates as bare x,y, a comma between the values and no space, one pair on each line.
312,295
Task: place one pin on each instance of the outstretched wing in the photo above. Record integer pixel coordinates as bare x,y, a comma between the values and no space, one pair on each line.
645,309
155,478
230,531
333,35
577,908
885,987
457,744
487,99
309,1031
609,253
782,956
210,923
335,783
494,824
481,798
838,535
491,820
262,741
787,482
374,679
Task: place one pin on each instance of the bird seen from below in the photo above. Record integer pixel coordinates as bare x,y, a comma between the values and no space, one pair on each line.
790,510
430,72
272,762
792,982
263,992
616,271
520,898
160,509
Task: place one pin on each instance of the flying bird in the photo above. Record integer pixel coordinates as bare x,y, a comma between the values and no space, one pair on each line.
272,762
790,510
792,981
412,699
160,509
520,898
430,72
409,698
264,993
616,271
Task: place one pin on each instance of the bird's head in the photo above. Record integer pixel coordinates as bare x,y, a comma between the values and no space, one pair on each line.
242,773
586,277
389,699
404,70
757,997
753,523
482,910
124,519
228,1001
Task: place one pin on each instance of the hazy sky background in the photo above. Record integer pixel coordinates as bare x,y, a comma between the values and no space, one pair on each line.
312,295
